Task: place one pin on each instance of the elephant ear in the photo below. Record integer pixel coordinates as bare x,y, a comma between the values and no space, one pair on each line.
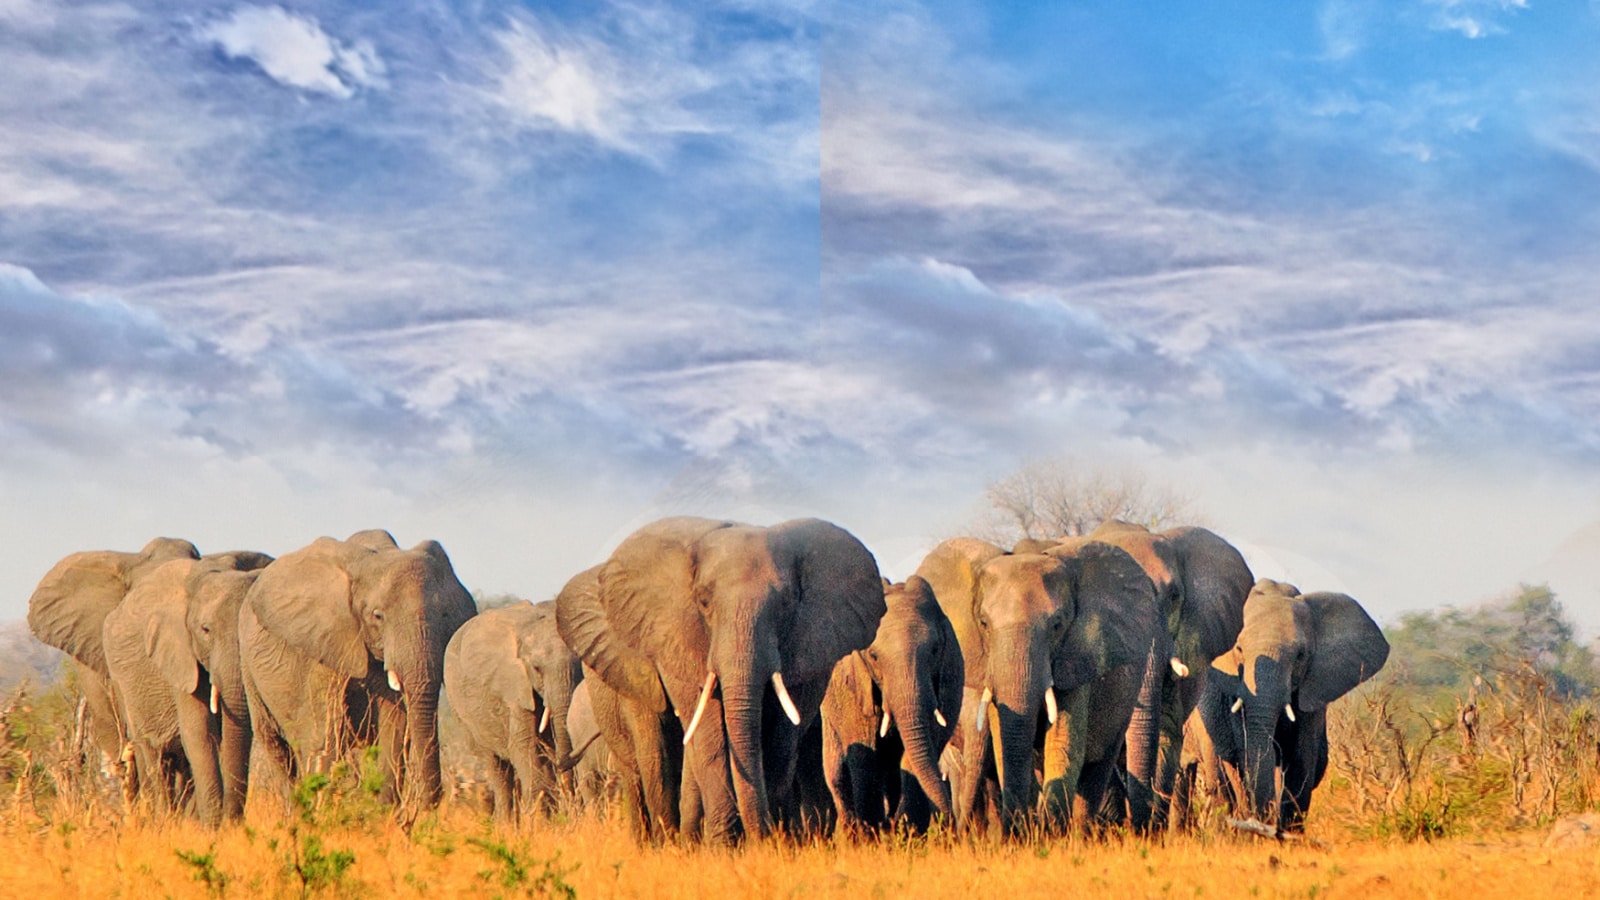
951,571
840,591
492,651
1346,649
647,591
167,643
582,624
1216,580
1116,615
70,605
304,599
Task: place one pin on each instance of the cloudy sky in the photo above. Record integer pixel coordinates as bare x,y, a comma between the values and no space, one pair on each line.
522,277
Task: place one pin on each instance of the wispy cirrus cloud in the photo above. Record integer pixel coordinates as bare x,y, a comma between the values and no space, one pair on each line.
296,52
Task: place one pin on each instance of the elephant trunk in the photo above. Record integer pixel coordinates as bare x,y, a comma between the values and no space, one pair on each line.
1143,737
234,759
421,781
911,700
1020,673
1265,696
743,706
558,697
922,761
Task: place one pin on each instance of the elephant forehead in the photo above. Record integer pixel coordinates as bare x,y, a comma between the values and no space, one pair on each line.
737,556
1145,549
1018,583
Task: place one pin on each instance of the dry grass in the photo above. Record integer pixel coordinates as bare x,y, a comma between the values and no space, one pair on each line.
461,856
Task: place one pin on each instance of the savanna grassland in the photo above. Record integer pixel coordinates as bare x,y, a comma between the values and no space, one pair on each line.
1446,776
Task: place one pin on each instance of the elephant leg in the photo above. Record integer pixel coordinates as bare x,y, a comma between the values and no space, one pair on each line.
661,761
707,756
502,789
535,786
201,736
104,728
837,775
866,792
914,808
1305,763
1065,743
1178,700
1093,783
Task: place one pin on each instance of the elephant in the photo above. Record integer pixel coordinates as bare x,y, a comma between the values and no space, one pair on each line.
736,629
1262,719
1202,582
343,642
591,773
1054,646
510,679
172,649
68,611
888,714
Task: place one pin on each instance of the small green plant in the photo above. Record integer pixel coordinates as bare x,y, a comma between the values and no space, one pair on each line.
515,872
206,871
313,865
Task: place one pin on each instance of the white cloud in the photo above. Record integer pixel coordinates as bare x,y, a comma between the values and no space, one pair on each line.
295,51
1473,19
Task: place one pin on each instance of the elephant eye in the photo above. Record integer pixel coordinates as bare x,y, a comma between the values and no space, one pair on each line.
378,614
205,629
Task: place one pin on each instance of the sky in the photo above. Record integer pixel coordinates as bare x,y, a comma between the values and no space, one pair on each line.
523,277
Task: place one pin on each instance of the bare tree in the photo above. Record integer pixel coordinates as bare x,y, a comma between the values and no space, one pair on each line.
1060,497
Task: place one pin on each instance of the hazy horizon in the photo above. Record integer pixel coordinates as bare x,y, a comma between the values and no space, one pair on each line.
521,277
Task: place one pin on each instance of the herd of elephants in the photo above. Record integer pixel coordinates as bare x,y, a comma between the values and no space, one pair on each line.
723,681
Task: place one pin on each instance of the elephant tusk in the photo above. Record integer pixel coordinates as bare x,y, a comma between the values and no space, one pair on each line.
544,719
983,708
1050,709
939,717
700,707
1238,704
1178,668
215,704
1288,710
783,698
883,728
394,680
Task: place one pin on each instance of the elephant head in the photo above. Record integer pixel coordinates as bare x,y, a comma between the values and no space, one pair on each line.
371,611
1050,625
1295,655
917,666
553,672
742,625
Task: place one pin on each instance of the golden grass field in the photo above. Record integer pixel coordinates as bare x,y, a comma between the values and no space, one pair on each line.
458,854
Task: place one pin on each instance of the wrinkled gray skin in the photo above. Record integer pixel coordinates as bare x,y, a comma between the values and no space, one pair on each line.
323,633
1201,582
685,598
507,673
170,642
1301,651
68,611
1078,621
592,773
913,669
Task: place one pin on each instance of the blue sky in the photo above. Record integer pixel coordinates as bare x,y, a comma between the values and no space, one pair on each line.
520,277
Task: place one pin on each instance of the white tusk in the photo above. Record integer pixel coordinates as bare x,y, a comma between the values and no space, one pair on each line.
215,704
1238,704
783,698
983,708
1050,710
1288,710
700,707
544,719
939,717
883,728
394,681
1178,668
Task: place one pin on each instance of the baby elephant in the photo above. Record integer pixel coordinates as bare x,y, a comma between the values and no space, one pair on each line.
510,681
889,711
1262,718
